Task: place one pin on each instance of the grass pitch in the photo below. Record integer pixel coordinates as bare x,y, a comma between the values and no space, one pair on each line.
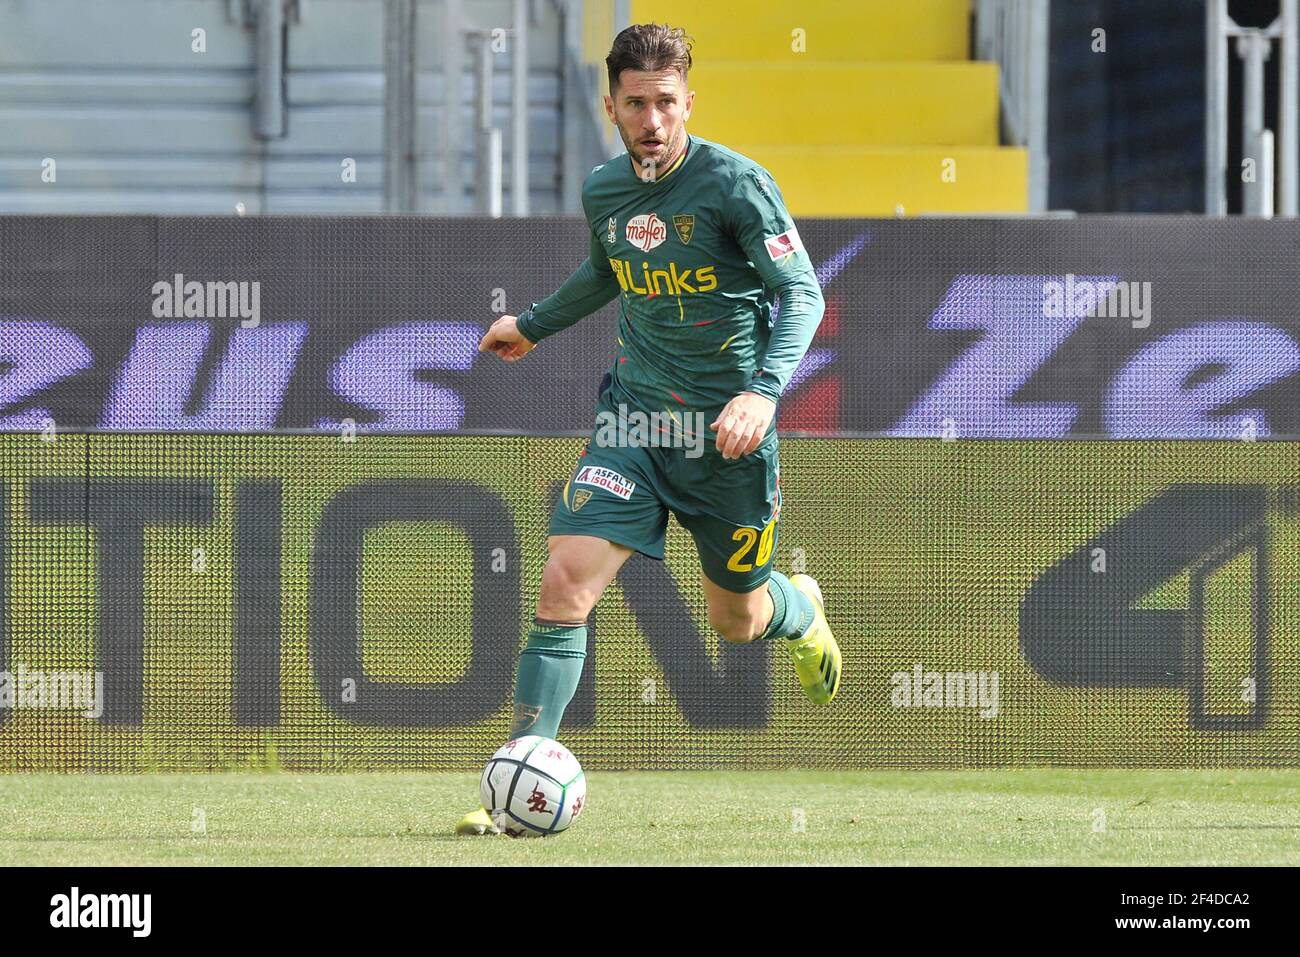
735,817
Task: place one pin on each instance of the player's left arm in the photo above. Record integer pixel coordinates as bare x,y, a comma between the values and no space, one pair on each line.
765,231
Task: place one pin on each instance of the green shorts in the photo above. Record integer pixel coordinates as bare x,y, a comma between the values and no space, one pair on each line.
623,492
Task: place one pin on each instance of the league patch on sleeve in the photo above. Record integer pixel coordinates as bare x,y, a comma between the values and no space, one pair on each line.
786,244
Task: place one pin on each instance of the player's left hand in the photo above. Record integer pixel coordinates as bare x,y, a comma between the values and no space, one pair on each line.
742,424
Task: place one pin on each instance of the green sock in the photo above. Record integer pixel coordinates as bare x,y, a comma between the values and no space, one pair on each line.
792,610
549,668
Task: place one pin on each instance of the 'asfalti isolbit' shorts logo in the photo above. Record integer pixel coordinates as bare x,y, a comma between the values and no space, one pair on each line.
607,479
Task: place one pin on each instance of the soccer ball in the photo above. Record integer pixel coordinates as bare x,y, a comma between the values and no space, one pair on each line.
533,787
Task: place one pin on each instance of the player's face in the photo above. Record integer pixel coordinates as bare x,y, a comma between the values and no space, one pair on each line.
650,111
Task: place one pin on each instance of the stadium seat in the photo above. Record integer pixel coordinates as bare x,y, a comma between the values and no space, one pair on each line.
861,109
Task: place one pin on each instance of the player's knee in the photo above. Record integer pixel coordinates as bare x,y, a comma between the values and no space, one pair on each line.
566,595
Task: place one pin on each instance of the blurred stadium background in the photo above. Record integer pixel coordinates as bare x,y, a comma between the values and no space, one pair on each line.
232,524
850,105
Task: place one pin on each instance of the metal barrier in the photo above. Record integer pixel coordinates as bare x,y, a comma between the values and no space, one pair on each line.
1253,46
589,28
1014,34
400,71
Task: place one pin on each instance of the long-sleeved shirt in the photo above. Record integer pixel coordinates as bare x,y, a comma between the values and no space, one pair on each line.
698,256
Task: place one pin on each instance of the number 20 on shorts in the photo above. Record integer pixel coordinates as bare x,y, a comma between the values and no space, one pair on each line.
747,537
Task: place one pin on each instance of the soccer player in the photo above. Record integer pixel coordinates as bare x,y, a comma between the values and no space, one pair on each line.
696,243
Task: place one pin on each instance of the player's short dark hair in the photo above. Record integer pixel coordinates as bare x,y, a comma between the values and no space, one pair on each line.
650,48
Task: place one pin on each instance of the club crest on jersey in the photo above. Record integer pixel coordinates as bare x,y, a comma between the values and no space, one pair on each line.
604,478
685,226
786,244
581,497
611,235
646,231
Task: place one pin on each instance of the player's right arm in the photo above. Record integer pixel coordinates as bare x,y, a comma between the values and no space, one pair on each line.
592,285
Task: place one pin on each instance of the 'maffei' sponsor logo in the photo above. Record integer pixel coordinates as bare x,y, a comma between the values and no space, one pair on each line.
607,479
786,244
646,231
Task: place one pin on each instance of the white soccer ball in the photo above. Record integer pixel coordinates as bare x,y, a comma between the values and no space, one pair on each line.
533,787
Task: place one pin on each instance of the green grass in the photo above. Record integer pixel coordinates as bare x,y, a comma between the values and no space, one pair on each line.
734,817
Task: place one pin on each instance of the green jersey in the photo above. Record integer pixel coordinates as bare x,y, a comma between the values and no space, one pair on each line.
697,257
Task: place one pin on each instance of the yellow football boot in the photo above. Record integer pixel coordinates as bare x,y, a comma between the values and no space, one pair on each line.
477,822
815,654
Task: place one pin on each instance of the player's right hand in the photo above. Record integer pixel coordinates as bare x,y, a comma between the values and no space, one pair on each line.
505,339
